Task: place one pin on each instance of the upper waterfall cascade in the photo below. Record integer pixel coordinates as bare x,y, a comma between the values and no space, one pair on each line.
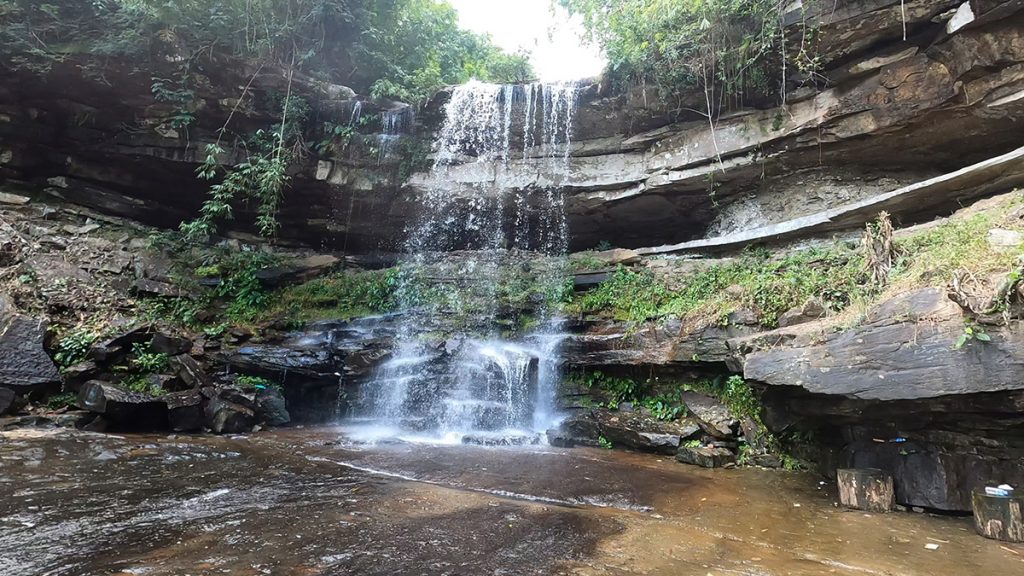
462,244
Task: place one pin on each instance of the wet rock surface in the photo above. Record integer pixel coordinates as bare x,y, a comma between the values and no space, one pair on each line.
308,502
24,364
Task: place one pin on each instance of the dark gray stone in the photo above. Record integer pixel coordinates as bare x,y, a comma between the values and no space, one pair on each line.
127,409
24,364
186,368
185,410
706,457
76,375
715,417
8,400
904,350
271,407
163,343
228,411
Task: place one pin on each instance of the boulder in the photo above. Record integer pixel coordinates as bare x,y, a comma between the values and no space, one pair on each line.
185,410
904,350
186,368
167,383
8,400
163,343
24,364
714,417
127,409
271,407
580,430
707,457
76,375
228,411
115,349
634,430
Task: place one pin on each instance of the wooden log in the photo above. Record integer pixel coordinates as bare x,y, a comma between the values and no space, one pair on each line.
866,489
999,517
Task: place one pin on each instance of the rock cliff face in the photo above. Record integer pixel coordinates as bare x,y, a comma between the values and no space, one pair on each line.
888,111
891,112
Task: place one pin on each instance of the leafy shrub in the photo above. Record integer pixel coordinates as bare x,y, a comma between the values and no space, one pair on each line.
255,382
147,361
73,345
730,49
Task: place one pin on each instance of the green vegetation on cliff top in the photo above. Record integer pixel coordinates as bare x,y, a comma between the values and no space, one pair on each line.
401,49
838,275
731,50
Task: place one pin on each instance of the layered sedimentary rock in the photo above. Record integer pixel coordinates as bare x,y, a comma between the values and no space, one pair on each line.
880,111
890,112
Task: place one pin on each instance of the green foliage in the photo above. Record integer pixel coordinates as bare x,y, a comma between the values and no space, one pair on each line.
262,178
604,443
183,311
73,345
415,46
344,294
734,392
666,407
390,48
971,333
730,49
617,389
65,400
333,139
147,361
234,276
256,382
241,286
769,286
936,253
178,94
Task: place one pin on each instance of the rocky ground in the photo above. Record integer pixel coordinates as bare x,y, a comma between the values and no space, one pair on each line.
84,310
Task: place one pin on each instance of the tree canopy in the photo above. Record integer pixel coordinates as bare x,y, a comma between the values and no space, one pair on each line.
390,48
729,48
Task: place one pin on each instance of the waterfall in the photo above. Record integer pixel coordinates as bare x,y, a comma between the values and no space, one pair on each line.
394,123
471,238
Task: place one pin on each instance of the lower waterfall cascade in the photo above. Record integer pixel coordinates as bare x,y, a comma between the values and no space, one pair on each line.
480,386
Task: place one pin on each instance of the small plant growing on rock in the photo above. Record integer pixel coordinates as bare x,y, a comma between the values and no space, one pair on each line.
256,382
147,361
74,345
604,443
971,333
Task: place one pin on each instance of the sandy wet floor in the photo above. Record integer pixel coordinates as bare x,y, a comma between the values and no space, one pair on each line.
308,502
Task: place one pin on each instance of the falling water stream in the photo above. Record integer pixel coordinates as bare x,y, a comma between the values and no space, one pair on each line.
466,238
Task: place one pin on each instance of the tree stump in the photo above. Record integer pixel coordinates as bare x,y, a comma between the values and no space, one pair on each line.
999,518
866,489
